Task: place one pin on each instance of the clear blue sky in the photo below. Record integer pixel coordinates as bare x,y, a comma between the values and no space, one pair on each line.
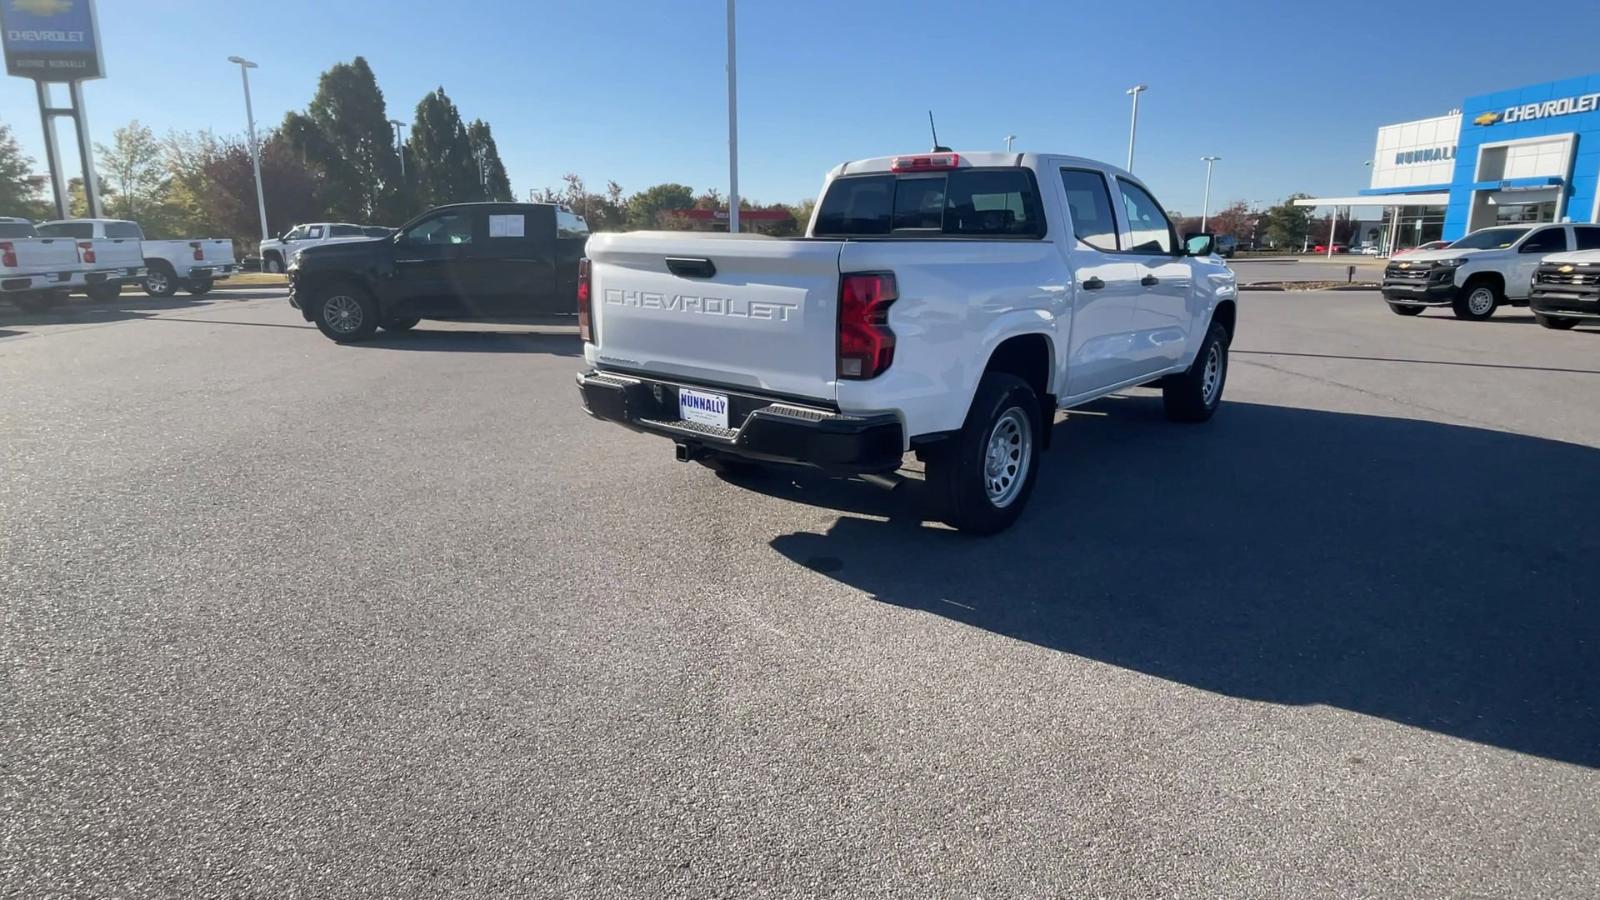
1288,94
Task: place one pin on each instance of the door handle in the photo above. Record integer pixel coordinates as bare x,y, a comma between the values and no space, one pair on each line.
1093,284
1149,281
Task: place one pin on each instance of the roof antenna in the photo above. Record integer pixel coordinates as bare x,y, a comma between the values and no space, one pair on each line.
936,147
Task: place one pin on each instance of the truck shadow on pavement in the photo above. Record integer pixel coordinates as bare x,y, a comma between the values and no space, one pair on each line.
80,310
1438,576
463,341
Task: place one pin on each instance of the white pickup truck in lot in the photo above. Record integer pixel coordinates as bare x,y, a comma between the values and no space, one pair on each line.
193,265
277,254
1481,272
943,304
36,272
112,254
1566,288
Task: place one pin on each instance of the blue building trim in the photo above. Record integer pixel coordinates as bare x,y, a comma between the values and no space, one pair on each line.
1510,183
1411,189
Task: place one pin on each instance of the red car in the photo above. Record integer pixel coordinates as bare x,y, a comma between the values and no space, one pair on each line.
1337,248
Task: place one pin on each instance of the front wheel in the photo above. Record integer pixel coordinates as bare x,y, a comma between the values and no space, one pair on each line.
1400,309
1555,323
1476,302
346,313
980,481
272,265
1193,396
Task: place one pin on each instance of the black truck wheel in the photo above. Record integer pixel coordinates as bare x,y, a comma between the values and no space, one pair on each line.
104,292
1477,300
980,480
345,312
1400,309
1555,323
160,280
1194,396
199,287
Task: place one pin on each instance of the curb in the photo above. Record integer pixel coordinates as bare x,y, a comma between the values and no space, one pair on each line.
1307,286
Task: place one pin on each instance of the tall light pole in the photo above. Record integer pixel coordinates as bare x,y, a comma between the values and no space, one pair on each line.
733,129
1133,126
1009,139
1205,208
400,145
245,66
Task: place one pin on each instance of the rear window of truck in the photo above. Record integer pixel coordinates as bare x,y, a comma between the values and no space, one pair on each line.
124,231
82,231
980,203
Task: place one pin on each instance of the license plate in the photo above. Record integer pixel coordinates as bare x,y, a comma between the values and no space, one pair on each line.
703,407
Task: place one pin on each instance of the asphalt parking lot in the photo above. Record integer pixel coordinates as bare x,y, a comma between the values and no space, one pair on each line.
280,618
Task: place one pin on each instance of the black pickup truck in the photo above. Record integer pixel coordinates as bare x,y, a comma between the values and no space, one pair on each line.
485,261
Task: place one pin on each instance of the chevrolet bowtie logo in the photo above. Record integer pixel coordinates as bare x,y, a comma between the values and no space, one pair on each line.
1566,269
1488,118
1405,265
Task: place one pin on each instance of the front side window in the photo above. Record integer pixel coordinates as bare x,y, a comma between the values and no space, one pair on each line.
1490,239
996,203
449,228
1148,230
1089,203
1547,240
124,230
314,233
296,233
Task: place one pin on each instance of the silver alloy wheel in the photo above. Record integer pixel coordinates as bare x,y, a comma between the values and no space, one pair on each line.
1481,301
274,265
1005,463
343,313
1211,376
155,282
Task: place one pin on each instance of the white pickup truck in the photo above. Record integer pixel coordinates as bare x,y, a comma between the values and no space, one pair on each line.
112,254
193,265
35,272
1566,286
1479,273
277,254
944,304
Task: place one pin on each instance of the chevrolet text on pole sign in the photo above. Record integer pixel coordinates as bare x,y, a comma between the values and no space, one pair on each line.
51,40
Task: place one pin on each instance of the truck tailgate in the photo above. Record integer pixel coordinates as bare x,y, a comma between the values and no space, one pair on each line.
740,311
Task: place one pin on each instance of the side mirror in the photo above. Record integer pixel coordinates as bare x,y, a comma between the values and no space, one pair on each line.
1199,244
1530,247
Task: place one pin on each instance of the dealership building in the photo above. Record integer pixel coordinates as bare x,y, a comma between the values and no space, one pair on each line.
1529,154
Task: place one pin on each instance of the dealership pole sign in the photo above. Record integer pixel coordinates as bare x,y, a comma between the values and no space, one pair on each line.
51,40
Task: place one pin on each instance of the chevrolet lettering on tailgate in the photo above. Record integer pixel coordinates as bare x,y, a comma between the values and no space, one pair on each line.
709,306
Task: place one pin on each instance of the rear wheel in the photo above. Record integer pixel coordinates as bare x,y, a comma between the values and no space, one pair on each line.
199,286
403,324
1476,301
1555,323
1403,310
1194,396
104,292
346,313
981,479
160,280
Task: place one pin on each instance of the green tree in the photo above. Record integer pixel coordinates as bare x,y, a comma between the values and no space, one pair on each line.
20,192
1287,224
345,134
444,169
496,184
645,208
135,171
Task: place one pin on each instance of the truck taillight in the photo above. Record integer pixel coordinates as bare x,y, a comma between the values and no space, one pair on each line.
199,253
8,254
866,345
585,331
86,251
930,162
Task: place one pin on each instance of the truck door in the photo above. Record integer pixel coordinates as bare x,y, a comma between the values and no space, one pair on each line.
1106,291
513,270
430,262
1161,323
1534,248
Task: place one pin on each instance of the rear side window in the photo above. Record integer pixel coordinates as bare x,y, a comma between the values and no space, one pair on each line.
1000,203
1547,241
1588,237
344,231
569,225
15,230
124,230
1089,202
82,231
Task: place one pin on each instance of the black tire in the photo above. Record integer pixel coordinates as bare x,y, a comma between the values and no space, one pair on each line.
400,324
982,492
160,280
199,287
345,312
1400,309
273,264
104,292
1194,396
1555,323
1477,300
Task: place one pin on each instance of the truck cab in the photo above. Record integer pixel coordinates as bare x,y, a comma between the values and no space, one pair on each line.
941,303
1479,273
